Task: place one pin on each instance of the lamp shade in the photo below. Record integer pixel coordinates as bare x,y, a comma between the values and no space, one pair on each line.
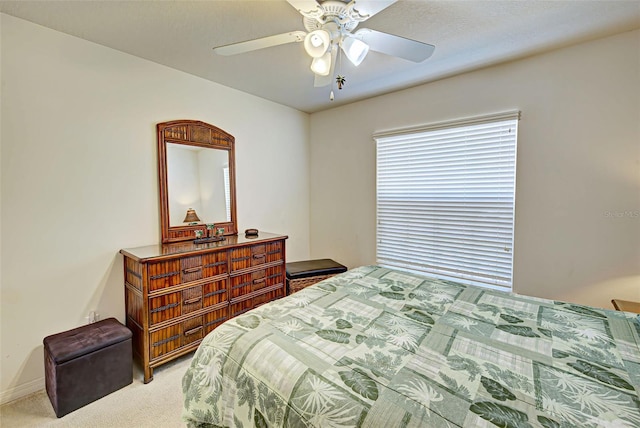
354,49
322,66
317,43
191,216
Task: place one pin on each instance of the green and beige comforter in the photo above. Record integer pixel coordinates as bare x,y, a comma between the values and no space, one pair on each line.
374,347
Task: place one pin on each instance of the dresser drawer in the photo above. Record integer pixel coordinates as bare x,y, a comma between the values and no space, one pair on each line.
251,282
275,251
240,307
186,269
256,255
246,257
176,336
164,274
172,305
215,318
214,264
182,334
190,268
203,266
214,293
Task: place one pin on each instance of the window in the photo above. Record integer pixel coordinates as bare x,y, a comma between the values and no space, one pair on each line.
445,199
227,192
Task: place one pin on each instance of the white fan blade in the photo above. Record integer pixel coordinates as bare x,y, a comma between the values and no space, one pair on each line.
305,7
395,45
265,42
320,81
368,8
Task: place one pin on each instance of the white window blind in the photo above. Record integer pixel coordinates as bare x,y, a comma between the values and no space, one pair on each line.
445,199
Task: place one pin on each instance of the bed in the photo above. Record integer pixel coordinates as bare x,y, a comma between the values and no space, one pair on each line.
376,347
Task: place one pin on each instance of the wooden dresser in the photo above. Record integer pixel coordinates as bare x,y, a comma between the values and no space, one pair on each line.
177,293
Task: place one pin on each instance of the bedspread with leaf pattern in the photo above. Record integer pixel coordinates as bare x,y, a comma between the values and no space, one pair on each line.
375,347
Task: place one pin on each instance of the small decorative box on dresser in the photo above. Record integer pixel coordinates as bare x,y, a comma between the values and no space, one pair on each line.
177,293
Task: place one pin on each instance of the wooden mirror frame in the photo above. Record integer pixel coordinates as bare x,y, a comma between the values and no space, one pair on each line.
200,134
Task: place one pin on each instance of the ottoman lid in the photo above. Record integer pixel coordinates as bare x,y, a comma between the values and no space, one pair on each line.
307,268
83,340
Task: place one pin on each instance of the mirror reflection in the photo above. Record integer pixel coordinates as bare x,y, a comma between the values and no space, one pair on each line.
198,179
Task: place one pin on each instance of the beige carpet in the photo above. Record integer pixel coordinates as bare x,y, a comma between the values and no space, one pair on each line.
156,404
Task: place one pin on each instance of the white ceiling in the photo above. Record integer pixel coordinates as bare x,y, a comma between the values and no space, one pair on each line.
467,34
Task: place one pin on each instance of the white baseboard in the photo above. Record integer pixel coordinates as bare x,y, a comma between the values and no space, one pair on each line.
20,391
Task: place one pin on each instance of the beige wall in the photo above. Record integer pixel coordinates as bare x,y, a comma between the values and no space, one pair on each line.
577,233
79,179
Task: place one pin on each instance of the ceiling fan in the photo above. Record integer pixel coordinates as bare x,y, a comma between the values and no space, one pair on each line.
330,25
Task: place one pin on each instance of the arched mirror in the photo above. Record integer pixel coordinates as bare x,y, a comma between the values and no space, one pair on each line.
197,181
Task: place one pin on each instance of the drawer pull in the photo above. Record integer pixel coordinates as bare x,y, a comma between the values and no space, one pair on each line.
259,256
258,281
192,270
190,301
163,308
213,293
167,340
163,275
210,265
193,331
240,285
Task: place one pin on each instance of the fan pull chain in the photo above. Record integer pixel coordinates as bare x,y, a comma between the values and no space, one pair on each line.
340,78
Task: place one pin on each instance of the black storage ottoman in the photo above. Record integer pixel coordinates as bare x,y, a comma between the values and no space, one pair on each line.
87,363
308,272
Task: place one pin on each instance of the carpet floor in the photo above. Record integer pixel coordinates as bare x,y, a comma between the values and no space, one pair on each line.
156,404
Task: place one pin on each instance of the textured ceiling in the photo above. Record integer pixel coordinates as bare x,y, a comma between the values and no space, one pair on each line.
467,35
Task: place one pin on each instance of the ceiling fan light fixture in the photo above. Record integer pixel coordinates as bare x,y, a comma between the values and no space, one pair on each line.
317,43
355,49
322,65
